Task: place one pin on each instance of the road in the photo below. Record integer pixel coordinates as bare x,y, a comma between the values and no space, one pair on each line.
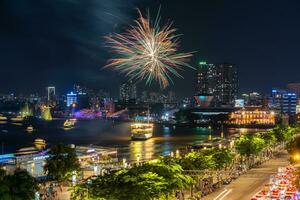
251,182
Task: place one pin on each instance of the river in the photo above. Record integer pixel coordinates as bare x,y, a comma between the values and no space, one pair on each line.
105,133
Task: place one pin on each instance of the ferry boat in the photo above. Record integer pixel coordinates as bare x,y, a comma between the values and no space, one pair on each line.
27,151
17,119
69,123
40,143
141,131
3,118
29,128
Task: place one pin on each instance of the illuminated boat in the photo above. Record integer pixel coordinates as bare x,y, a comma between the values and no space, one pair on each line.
3,118
26,151
29,128
141,131
69,123
40,143
17,119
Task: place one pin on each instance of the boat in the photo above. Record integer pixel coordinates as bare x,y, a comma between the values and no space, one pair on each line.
27,151
69,123
17,119
141,131
29,128
3,118
39,143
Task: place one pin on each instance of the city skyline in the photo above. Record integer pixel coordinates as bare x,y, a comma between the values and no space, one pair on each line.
51,49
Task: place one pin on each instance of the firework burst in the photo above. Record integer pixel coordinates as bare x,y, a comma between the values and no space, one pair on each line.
147,52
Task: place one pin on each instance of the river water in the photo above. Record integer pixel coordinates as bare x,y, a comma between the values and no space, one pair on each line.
105,133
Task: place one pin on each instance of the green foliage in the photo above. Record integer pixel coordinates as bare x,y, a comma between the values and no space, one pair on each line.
293,146
248,145
207,159
149,181
62,162
283,133
268,137
221,157
19,186
197,161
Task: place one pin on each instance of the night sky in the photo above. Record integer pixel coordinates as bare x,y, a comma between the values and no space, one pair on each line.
60,42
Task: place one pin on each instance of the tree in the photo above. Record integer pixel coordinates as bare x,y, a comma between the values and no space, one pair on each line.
221,157
62,162
268,137
197,160
293,146
148,181
248,145
19,186
283,133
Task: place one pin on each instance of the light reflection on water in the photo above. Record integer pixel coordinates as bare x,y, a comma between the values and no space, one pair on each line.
105,133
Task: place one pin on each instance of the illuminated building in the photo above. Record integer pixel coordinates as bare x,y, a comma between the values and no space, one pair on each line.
298,106
206,79
294,87
128,92
227,84
220,81
283,101
252,116
253,99
203,101
71,99
51,94
46,113
109,105
239,103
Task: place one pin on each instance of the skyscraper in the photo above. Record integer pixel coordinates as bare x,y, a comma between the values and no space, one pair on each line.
226,84
220,82
283,101
206,79
294,87
128,91
51,94
71,99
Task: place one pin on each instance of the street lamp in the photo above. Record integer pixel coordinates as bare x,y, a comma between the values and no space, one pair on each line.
209,136
172,154
138,159
177,153
124,162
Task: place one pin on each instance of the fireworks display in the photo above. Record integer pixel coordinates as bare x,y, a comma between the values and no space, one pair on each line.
147,52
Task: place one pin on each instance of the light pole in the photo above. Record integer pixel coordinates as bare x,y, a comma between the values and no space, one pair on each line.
209,136
138,159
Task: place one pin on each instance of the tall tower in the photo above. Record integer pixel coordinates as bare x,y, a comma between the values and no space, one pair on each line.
128,91
51,93
227,83
206,79
218,84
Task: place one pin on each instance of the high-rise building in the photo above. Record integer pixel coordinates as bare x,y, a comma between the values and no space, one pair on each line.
253,99
51,94
71,99
220,82
227,84
294,87
128,91
283,101
206,79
